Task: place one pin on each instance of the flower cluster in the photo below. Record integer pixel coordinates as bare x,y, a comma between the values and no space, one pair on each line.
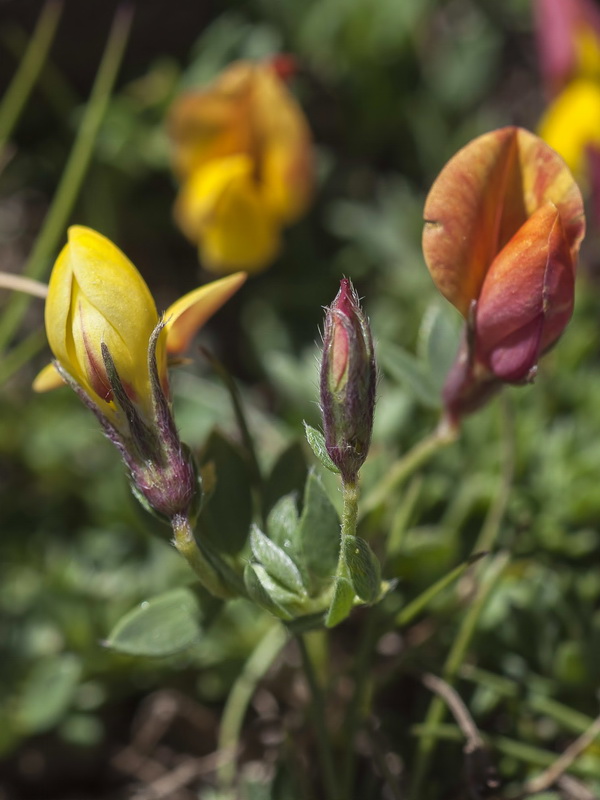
242,151
112,348
503,225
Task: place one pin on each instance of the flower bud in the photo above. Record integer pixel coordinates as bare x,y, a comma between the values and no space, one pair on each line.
348,378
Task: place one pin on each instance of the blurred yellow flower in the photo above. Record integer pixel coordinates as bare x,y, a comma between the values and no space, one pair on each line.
242,151
98,303
568,34
571,124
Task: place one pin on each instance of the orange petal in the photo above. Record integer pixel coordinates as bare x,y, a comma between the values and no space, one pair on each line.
214,122
49,378
188,314
480,200
527,297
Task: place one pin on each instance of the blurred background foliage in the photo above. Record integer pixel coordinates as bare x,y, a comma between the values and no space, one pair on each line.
391,89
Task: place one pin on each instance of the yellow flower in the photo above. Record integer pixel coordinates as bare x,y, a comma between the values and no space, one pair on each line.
242,149
98,303
571,123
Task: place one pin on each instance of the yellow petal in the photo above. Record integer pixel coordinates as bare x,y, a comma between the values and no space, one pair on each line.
222,208
188,314
96,296
47,379
284,145
113,285
572,122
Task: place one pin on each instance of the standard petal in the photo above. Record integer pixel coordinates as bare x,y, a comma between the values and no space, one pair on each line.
481,199
188,314
111,284
463,215
284,146
214,122
547,179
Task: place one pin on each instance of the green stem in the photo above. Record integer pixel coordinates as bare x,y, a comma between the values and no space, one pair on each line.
529,754
569,718
442,436
186,545
356,706
349,522
350,509
486,540
242,691
317,710
437,707
73,174
414,608
240,416
20,88
491,525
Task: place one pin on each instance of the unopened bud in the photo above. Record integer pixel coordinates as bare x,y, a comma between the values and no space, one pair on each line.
348,378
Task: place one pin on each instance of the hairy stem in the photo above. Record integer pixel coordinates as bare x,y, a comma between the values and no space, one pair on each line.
185,543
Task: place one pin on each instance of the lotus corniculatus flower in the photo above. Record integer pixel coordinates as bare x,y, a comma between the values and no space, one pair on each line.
111,347
242,151
503,224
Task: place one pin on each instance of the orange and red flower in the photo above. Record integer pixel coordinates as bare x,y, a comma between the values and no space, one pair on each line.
503,224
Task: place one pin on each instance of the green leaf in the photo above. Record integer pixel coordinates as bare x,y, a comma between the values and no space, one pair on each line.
276,562
364,568
341,603
226,517
287,475
318,531
283,521
409,371
260,587
48,693
164,625
316,441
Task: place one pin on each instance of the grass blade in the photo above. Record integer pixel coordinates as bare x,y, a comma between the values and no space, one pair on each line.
74,172
29,69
